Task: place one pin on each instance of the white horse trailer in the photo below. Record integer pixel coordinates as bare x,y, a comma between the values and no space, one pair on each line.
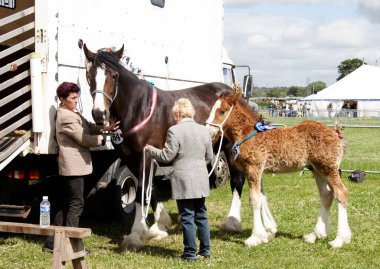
174,44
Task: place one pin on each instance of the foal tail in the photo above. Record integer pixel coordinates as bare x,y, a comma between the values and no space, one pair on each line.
343,143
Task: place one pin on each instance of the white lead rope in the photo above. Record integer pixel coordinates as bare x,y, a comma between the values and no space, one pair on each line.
144,211
220,126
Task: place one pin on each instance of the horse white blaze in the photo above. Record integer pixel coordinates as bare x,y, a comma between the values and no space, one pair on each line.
99,97
213,129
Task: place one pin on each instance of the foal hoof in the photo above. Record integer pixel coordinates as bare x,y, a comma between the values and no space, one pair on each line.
339,242
132,242
255,240
310,238
231,225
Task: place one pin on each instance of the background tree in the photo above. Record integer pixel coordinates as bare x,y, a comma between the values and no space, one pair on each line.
257,92
293,91
315,87
348,66
278,92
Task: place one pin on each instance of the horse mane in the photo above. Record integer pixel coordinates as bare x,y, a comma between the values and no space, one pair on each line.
105,58
248,110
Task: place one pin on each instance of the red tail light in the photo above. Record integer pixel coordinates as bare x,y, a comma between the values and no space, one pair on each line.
10,174
34,175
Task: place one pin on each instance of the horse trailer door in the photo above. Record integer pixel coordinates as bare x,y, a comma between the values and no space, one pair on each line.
17,42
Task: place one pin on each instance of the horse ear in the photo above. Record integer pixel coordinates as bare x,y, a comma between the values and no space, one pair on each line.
235,97
89,54
119,53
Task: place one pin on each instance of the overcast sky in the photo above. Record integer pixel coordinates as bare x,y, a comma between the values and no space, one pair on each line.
296,42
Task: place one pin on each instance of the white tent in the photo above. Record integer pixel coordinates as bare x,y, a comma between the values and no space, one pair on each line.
361,86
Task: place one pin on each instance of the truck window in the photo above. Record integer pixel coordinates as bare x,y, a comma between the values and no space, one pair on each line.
227,76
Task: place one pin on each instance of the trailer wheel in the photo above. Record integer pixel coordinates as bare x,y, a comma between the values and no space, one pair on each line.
126,189
221,171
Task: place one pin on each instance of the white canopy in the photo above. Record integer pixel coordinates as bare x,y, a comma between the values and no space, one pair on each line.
362,86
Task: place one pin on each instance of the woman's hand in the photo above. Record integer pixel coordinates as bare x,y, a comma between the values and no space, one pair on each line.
148,149
113,127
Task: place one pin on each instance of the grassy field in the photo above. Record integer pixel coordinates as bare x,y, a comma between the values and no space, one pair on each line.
294,202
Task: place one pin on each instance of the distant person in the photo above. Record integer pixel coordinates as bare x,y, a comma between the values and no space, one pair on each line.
348,108
329,109
188,145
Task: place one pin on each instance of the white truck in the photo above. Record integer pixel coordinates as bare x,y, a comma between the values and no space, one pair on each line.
175,44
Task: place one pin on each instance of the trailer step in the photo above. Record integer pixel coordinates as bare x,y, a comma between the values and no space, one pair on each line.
15,211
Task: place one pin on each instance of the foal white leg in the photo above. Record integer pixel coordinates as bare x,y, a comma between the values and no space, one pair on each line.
268,220
233,222
322,228
259,235
344,232
138,237
162,222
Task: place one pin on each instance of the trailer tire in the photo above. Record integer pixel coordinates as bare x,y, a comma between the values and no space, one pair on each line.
222,171
126,189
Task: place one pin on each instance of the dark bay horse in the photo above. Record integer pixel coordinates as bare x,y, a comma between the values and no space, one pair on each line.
144,112
289,149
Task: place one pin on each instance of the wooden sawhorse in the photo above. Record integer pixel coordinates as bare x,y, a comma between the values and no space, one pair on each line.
68,244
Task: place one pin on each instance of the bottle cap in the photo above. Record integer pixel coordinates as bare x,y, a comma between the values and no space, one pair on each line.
44,197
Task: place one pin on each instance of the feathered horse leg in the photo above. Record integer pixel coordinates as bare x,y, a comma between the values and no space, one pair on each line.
259,234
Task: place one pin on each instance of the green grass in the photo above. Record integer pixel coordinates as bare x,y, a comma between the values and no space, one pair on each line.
294,202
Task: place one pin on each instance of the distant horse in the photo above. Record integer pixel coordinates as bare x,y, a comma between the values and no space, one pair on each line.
145,115
289,149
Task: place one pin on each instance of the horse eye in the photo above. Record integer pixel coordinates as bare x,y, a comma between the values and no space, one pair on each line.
222,111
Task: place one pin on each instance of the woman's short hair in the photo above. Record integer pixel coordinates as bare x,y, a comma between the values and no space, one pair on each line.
183,108
65,88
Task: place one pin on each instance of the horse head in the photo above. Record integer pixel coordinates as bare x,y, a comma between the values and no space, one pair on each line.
220,114
103,82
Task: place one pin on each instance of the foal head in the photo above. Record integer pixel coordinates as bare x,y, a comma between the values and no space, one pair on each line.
223,114
102,81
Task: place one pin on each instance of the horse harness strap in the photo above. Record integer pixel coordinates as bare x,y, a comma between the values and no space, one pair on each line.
117,136
236,146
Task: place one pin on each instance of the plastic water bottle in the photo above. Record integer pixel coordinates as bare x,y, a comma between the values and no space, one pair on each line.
45,212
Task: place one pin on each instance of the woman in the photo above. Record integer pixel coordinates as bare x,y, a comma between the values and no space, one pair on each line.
188,146
75,135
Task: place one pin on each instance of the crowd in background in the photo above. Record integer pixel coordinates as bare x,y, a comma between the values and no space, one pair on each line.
288,109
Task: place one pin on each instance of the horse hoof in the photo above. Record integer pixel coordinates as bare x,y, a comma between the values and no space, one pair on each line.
156,234
272,232
339,242
254,241
231,225
310,238
132,242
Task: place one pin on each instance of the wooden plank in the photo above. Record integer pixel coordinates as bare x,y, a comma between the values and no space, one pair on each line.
16,16
18,62
15,95
17,32
15,125
14,80
16,111
28,228
17,47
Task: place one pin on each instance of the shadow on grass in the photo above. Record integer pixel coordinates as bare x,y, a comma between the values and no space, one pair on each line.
240,237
